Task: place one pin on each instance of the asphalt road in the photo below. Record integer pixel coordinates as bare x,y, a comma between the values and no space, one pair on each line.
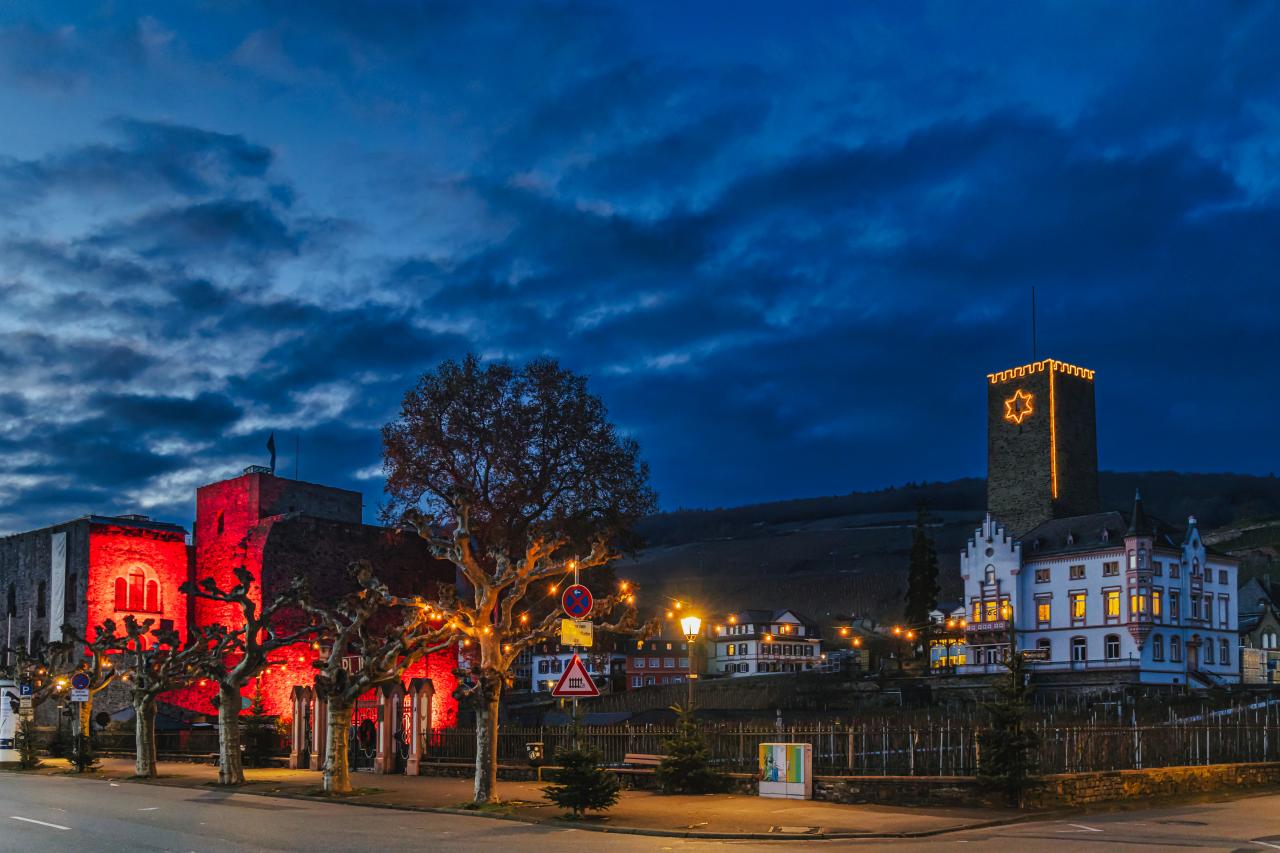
62,814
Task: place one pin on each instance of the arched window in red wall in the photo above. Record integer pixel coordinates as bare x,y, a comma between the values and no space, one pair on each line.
138,591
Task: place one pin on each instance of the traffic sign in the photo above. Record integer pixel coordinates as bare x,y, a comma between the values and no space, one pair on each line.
79,695
80,681
24,690
576,681
576,601
574,632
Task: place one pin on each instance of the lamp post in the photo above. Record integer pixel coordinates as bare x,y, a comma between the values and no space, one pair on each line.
691,625
1006,613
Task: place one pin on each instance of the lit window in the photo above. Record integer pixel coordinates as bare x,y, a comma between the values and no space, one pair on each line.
1137,603
1111,597
1156,609
977,611
1078,605
1043,611
990,613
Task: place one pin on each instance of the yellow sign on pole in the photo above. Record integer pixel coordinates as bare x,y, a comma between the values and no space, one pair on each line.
575,632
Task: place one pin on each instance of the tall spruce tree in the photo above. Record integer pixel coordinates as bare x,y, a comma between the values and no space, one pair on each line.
1007,756
922,574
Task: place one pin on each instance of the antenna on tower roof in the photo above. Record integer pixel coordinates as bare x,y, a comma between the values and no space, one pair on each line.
1034,355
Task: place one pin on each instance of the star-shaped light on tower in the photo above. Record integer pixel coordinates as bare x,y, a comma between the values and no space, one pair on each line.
1018,407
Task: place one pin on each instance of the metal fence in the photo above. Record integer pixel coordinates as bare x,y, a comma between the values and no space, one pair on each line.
894,750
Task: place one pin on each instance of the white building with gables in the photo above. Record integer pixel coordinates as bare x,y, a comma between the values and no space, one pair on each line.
1134,598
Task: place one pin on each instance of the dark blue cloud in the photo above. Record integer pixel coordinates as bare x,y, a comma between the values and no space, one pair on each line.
786,248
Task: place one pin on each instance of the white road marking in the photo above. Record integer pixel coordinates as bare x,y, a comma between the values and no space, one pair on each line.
149,809
1268,844
42,823
1080,827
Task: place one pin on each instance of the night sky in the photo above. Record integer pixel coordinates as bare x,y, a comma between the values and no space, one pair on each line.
786,241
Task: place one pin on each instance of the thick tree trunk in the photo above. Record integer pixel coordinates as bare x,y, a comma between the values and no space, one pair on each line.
230,763
86,714
486,783
144,737
337,770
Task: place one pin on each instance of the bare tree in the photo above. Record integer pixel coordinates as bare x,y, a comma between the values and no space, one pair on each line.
96,664
45,667
156,665
515,476
373,637
249,646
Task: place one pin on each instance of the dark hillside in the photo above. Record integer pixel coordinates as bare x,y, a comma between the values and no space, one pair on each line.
832,556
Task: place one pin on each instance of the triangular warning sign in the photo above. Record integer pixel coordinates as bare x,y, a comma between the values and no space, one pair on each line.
575,681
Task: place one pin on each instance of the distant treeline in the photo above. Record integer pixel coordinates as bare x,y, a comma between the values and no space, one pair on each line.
1215,499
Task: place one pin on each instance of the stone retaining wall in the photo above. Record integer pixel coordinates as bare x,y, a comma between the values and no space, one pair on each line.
1078,789
1065,789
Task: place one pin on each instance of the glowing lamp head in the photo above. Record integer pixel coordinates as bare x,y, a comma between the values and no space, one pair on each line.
691,625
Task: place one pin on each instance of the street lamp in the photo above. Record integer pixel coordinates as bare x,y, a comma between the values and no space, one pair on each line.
691,625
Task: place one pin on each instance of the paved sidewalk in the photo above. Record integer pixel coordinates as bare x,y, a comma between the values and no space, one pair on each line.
637,811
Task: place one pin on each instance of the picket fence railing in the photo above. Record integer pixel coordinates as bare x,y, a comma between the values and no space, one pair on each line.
883,749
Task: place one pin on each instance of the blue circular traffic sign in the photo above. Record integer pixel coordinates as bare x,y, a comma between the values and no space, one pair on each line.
576,601
80,681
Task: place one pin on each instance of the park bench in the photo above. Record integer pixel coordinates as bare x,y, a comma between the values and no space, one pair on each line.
640,759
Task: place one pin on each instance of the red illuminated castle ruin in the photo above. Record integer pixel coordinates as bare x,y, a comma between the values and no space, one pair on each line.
94,568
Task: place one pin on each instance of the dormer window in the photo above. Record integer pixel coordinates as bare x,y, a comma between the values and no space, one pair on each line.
1071,539
1106,534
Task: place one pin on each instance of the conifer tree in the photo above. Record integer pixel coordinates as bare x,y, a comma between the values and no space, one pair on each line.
687,769
581,783
1007,759
922,574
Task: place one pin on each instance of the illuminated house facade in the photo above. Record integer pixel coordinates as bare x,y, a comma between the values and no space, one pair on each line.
1095,596
755,642
94,568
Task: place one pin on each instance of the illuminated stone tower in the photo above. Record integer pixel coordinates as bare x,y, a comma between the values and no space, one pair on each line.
1042,444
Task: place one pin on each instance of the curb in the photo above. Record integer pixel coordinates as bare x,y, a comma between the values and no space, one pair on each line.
556,823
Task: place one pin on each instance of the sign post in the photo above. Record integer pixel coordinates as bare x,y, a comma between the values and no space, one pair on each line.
576,602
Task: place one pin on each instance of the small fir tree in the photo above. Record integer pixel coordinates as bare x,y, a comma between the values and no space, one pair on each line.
28,745
582,784
1007,759
260,733
922,574
687,769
